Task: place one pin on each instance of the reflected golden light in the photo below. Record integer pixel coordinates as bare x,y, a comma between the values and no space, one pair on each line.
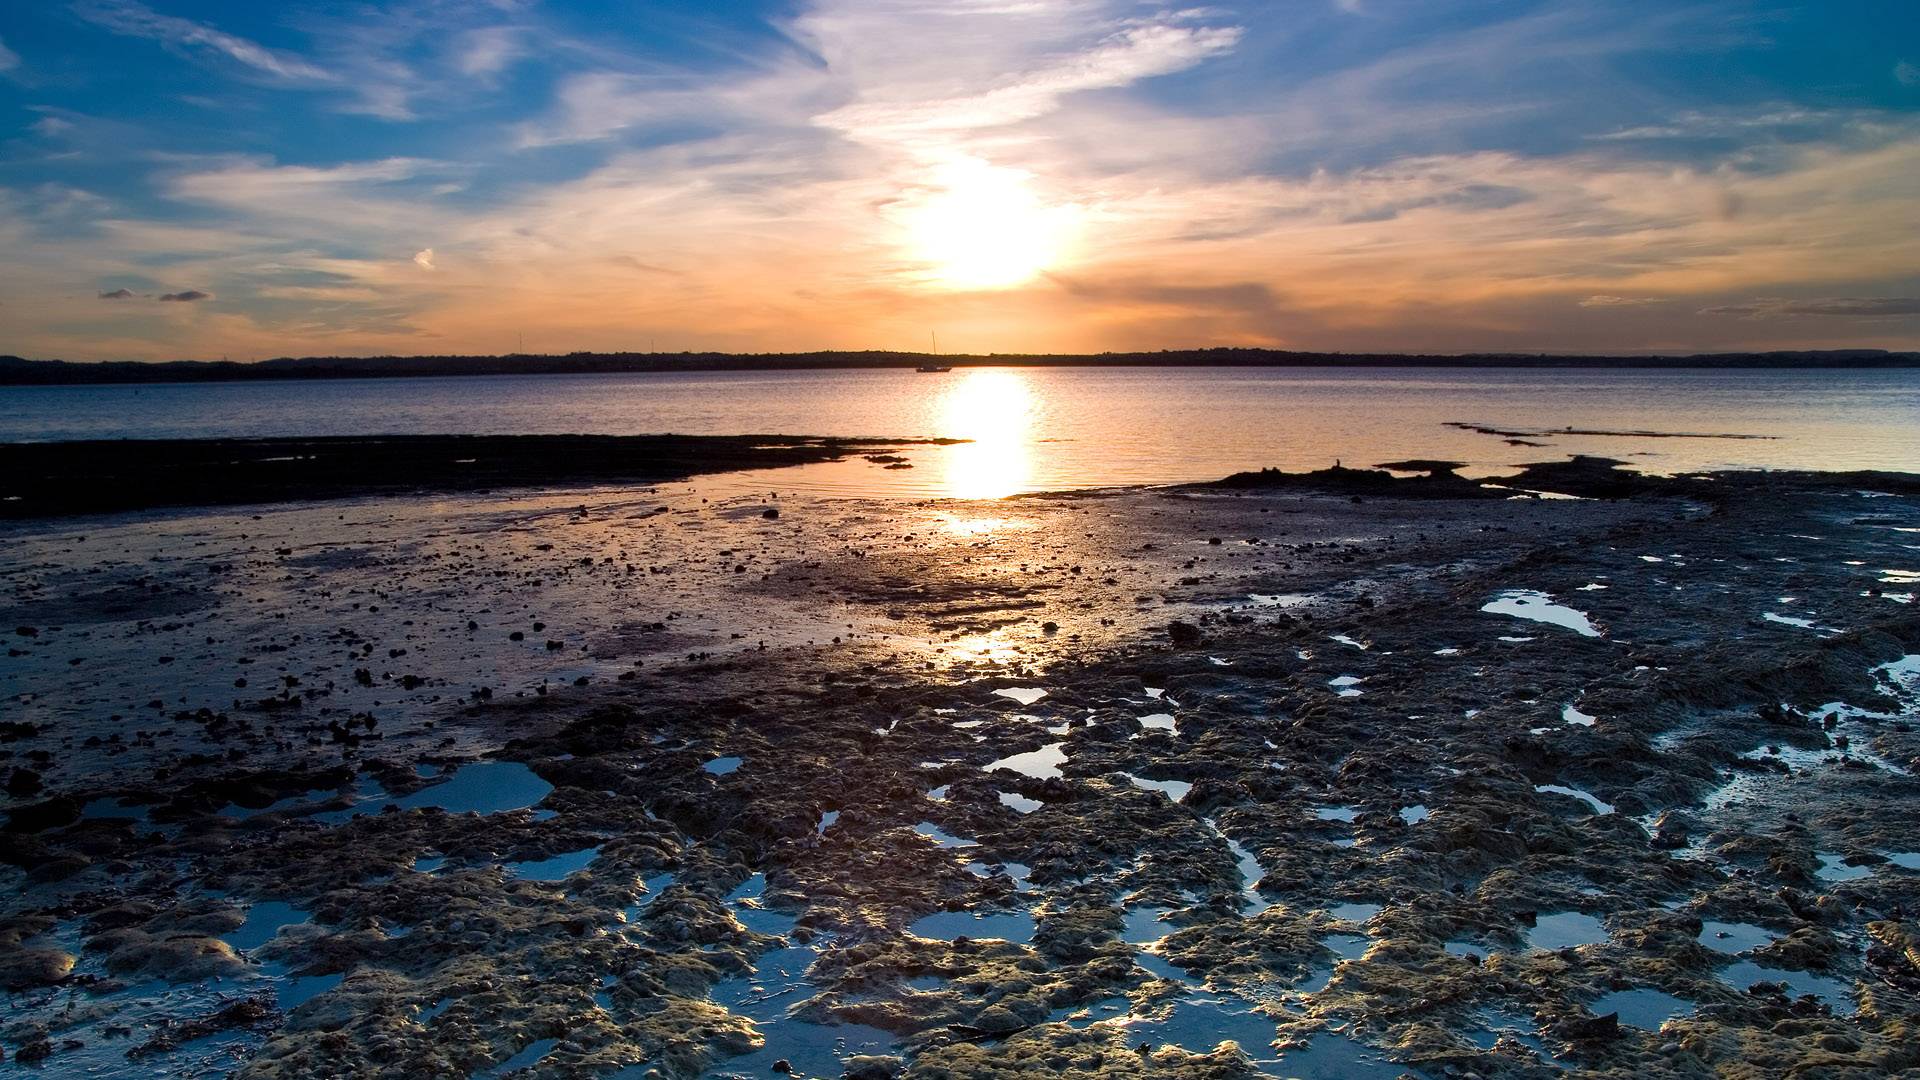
984,228
994,411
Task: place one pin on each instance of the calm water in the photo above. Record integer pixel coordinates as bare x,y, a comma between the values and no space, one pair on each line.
1070,428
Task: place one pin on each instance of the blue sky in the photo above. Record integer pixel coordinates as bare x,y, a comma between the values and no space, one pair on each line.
192,179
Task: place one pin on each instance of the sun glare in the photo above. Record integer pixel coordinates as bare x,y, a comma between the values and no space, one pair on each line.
984,228
993,410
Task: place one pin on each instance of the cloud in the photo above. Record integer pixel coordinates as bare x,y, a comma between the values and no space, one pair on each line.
137,20
489,50
118,294
8,58
1123,57
1852,307
1906,72
1603,300
423,258
186,297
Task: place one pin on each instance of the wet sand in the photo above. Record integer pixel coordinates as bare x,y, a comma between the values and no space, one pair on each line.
1366,776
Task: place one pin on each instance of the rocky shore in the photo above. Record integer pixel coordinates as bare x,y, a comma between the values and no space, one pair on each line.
1351,774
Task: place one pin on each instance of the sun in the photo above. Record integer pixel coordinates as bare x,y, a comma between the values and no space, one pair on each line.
982,227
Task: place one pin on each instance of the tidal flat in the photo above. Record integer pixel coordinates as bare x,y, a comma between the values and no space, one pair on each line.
1322,775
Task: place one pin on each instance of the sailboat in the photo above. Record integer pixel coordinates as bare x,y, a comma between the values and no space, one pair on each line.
933,369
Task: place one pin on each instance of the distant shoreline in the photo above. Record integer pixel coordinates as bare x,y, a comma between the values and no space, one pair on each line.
16,371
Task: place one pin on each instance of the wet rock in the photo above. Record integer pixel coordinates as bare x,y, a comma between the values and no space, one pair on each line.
873,1067
183,958
23,783
26,968
1184,634
1592,1029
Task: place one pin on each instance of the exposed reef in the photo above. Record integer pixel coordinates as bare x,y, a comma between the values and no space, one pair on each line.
1337,775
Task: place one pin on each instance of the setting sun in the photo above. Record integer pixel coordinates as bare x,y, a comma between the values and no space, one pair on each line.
984,228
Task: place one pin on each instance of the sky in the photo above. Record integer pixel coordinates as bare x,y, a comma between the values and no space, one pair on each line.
192,179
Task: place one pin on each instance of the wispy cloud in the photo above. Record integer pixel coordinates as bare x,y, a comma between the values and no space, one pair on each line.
187,296
138,20
1603,300
8,58
1850,307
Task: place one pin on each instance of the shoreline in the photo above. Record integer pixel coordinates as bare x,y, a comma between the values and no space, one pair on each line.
1431,780
50,481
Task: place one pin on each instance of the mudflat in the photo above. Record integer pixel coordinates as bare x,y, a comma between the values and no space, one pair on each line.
1339,775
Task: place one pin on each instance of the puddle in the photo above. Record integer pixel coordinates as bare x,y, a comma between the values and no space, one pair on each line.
1019,872
1834,868
1142,925
1160,722
427,864
653,887
264,921
1733,937
1163,968
1344,685
532,1053
1794,620
1415,814
1574,716
1354,912
1641,1008
1333,1056
1019,803
1251,902
745,903
1837,993
1014,926
827,818
1907,859
111,807
1279,600
484,787
722,766
1496,1024
1041,764
943,838
1337,813
1565,929
1345,640
1347,946
1172,789
1466,948
810,1049
1539,607
1025,695
1199,1022
1594,804
555,868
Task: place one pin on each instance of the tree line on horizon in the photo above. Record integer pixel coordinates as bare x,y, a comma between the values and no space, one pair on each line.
17,371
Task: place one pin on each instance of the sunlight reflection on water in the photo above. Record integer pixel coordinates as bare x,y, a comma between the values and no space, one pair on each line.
1041,429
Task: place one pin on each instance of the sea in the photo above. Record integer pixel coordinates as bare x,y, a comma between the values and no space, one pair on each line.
1046,429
